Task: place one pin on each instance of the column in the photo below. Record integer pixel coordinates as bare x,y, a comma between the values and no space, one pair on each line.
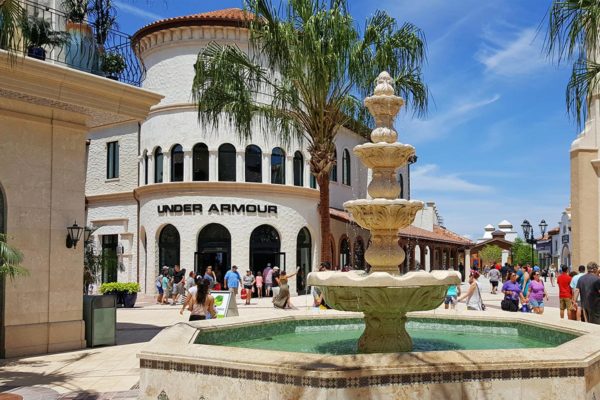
467,263
150,168
240,170
140,170
187,166
289,170
213,166
266,168
306,174
422,256
412,258
167,167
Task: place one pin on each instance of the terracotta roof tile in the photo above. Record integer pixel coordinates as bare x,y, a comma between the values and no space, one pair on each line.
439,233
226,17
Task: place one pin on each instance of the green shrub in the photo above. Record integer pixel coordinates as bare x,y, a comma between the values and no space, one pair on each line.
119,287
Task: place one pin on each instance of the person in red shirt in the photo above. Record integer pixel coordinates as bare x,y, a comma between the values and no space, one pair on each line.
564,290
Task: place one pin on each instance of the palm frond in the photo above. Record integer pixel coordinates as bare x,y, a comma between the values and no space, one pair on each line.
11,13
583,81
10,260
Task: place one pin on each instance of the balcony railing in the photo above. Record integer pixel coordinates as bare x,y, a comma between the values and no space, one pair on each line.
83,45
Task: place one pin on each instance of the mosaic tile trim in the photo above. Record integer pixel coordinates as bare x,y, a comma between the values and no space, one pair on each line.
359,382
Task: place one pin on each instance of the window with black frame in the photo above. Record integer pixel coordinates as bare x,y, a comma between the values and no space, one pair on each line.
333,170
158,165
227,163
112,160
278,166
346,168
253,162
298,169
177,163
200,162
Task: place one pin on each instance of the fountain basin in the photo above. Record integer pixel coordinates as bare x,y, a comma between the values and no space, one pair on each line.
383,214
384,155
174,364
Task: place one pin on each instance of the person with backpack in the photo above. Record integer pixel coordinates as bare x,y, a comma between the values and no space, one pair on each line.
159,287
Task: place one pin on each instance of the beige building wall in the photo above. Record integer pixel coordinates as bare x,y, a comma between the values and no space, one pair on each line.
585,198
46,112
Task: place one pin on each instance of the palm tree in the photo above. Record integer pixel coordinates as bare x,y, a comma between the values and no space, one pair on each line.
307,65
10,260
572,35
11,15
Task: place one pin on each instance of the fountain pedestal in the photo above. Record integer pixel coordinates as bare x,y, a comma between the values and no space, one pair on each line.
383,295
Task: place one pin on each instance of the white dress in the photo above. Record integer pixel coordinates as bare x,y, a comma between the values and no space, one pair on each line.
474,302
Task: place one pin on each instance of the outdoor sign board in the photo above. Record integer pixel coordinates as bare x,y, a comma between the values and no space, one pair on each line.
224,303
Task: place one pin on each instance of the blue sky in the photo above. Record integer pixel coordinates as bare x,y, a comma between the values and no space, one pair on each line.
495,143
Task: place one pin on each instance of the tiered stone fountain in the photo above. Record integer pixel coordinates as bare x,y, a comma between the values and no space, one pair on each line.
383,295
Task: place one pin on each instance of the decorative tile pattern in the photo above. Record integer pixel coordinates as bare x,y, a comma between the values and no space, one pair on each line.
367,381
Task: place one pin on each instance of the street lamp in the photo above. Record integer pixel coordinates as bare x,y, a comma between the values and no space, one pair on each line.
529,236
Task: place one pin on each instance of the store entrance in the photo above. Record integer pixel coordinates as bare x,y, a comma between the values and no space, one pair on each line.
264,248
214,248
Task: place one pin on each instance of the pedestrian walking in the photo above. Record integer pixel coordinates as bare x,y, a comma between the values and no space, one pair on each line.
233,281
575,301
512,294
200,303
494,276
275,284
248,281
585,286
538,293
473,294
178,284
159,288
209,275
452,296
259,284
268,276
565,294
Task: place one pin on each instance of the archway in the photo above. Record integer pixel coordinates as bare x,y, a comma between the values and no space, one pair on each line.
303,259
265,246
345,256
168,247
565,257
213,248
359,253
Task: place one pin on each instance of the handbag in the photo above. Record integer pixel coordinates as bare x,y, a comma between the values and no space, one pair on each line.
244,294
508,305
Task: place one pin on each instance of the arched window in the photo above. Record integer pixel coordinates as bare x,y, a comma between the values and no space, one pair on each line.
303,259
253,161
168,247
344,252
313,181
214,249
333,171
158,165
200,162
177,163
145,167
278,166
298,169
265,247
359,253
346,167
227,163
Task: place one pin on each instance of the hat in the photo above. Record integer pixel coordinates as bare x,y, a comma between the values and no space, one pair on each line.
276,268
536,268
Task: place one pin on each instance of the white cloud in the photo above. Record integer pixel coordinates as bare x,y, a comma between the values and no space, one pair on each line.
427,178
445,122
520,55
137,11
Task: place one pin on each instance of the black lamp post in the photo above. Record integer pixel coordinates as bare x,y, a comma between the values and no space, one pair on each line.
529,235
73,235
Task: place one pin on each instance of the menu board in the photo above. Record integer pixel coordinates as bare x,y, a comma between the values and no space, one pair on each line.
224,303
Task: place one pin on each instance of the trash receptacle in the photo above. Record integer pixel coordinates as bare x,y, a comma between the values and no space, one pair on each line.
100,316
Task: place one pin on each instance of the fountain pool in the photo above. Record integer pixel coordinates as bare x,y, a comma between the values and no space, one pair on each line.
566,365
340,336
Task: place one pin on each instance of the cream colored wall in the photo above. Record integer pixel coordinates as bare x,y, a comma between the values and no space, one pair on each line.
584,207
41,170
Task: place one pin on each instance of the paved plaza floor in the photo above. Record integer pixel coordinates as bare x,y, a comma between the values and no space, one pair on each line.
112,372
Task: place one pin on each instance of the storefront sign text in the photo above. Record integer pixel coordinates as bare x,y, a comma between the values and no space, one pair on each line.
216,208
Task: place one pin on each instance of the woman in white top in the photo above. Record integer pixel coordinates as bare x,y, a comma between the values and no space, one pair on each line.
473,295
200,302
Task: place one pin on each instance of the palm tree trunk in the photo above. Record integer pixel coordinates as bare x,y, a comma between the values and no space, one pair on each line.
323,180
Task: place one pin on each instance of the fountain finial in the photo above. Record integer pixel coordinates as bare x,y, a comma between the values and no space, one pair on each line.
385,85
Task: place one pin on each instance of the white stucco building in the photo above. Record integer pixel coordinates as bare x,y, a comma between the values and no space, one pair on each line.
172,191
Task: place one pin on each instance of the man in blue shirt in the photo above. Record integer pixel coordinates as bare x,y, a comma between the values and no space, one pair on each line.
233,280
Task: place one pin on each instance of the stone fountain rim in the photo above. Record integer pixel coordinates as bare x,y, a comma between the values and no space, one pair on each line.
383,202
384,145
383,279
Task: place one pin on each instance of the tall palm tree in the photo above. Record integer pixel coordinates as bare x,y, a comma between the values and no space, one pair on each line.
572,35
10,260
307,67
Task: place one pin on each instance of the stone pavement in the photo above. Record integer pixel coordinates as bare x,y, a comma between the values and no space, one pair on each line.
112,372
